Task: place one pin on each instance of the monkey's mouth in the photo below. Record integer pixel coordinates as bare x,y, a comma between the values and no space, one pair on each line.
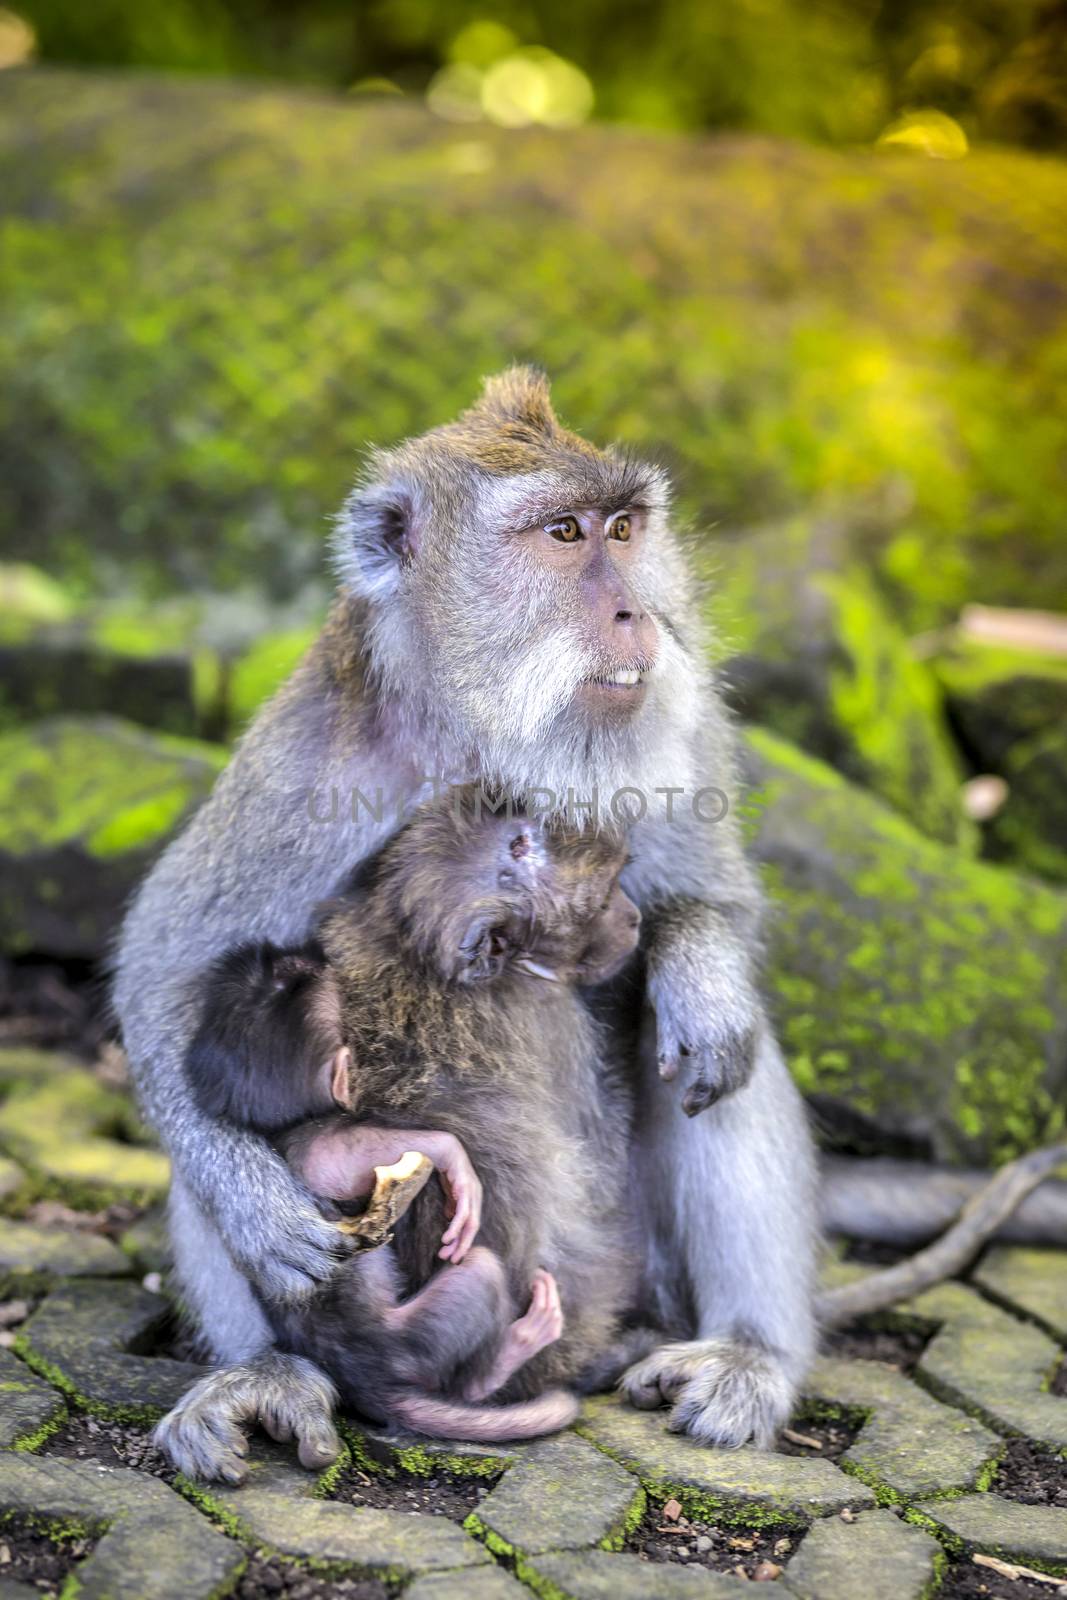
622,687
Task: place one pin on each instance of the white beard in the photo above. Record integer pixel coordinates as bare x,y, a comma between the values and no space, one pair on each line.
563,762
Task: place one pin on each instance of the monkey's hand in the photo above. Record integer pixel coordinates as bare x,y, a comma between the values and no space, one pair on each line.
277,1236
708,1016
337,1157
463,1190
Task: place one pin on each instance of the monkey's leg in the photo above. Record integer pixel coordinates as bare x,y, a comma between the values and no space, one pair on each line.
395,1187
455,1319
539,1326
204,1435
727,1200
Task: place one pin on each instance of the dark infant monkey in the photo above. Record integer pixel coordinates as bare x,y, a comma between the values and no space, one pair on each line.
443,996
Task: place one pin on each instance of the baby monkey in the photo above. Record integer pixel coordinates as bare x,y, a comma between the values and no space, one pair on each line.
439,1006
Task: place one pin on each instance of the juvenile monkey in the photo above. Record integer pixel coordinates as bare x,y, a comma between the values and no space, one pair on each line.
444,995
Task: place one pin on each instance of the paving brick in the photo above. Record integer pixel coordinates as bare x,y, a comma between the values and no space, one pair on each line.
563,1494
987,1522
987,1360
727,1479
155,1546
911,1442
82,1338
28,1405
1033,1280
877,1555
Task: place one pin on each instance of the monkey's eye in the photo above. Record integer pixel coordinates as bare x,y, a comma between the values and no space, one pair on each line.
566,530
621,527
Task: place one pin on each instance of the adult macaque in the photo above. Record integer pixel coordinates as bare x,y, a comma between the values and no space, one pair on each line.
515,610
443,994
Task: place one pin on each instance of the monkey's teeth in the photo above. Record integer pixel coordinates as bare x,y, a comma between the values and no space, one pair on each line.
625,679
536,970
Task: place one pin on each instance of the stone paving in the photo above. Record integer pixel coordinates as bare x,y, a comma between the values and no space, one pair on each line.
913,1491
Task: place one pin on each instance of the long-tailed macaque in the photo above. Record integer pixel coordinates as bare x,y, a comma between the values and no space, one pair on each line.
442,996
515,609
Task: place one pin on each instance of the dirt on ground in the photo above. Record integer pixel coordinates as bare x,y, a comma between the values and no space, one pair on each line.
30,1557
898,1346
665,1533
445,1494
1034,1476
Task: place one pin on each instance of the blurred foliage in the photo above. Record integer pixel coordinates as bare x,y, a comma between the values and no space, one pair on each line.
214,296
837,70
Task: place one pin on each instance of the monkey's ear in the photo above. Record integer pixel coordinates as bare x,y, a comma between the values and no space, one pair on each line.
375,538
483,952
340,1070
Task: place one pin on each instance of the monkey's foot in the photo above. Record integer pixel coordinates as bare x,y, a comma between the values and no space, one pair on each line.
205,1435
538,1327
722,1391
395,1187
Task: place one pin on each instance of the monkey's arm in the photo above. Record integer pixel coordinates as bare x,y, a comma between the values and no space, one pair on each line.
702,906
342,1160
978,1221
252,864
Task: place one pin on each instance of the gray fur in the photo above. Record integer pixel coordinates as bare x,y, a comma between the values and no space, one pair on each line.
405,683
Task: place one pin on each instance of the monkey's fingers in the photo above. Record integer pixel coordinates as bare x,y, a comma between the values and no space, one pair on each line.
395,1187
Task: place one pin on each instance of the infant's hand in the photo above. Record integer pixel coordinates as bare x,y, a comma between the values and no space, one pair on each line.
463,1192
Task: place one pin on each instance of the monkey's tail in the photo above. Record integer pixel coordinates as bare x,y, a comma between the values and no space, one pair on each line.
455,1419
978,1221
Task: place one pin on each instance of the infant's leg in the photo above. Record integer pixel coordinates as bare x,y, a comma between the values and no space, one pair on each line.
540,1326
455,1321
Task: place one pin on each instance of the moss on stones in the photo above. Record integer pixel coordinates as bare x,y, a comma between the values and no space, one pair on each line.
999,697
921,996
84,805
81,1141
813,652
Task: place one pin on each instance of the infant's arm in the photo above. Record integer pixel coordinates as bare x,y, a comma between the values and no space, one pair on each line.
336,1157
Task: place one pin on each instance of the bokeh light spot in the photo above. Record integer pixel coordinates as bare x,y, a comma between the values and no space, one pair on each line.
929,132
17,39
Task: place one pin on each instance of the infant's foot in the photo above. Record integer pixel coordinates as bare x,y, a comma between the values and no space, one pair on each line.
539,1326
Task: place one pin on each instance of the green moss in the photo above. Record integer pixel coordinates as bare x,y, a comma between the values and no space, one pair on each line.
702,1507
29,596
477,1529
100,784
196,403
254,676
812,651
205,1501
140,1416
62,1131
617,1537
40,1436
912,983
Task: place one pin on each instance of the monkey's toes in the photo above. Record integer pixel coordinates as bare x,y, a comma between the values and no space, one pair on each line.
737,1393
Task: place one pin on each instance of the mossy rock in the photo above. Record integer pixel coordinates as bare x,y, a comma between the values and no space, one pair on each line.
80,1140
29,596
67,669
84,807
1030,830
813,652
921,996
1000,697
214,295
255,674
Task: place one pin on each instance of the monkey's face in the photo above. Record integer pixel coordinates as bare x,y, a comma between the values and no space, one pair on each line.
558,912
526,594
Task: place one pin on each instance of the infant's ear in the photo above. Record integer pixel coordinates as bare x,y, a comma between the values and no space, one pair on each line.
340,1070
483,952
